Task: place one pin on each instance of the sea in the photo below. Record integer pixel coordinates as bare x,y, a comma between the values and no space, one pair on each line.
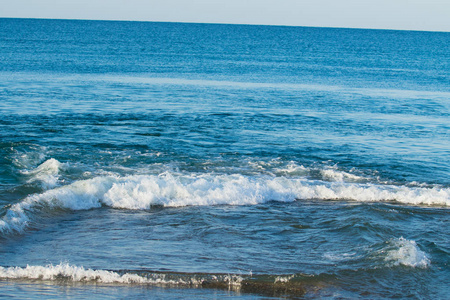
147,160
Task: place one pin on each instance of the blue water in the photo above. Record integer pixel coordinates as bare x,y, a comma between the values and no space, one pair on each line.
166,160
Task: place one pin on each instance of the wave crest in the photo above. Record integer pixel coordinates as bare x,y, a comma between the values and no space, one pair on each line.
167,189
46,174
406,253
72,273
269,285
68,272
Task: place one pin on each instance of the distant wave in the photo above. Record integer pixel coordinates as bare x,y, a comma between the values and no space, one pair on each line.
376,92
238,84
141,192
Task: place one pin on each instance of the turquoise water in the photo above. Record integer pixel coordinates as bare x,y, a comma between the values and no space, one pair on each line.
166,160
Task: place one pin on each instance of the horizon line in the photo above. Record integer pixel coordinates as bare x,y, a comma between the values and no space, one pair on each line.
219,23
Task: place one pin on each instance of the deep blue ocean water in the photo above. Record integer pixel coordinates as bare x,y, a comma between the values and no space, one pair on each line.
167,160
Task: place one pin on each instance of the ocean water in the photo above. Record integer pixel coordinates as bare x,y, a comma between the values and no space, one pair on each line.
165,160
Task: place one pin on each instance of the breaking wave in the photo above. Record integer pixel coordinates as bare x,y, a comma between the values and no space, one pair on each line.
72,273
68,272
141,192
406,253
271,285
46,174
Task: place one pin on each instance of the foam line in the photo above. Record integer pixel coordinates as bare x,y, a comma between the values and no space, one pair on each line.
64,272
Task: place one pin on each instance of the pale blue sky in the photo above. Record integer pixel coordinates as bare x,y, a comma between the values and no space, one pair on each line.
387,14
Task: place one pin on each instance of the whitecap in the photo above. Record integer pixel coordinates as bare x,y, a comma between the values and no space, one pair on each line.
333,174
140,192
68,272
292,169
73,273
46,174
406,253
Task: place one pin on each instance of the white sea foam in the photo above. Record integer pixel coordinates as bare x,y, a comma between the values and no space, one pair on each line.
283,279
144,191
68,272
333,174
80,274
292,169
405,252
327,173
47,173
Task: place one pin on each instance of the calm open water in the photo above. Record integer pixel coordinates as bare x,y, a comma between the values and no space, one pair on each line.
165,160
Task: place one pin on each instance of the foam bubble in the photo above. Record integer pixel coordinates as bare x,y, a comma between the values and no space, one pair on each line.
144,191
406,253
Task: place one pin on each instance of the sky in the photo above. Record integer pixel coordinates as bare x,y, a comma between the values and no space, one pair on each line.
430,15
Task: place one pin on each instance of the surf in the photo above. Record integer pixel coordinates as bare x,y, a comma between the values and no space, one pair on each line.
142,192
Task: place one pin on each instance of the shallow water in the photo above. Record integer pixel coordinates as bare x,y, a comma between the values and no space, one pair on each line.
207,161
